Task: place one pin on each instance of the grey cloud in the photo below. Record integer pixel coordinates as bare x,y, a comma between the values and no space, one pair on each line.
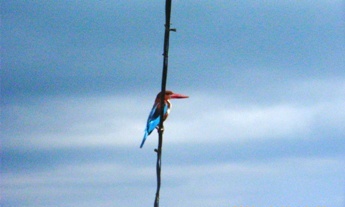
73,48
263,125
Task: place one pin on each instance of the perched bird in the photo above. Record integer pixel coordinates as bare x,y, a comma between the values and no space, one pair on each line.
154,117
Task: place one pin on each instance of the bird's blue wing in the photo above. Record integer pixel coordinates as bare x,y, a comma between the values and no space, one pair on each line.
153,121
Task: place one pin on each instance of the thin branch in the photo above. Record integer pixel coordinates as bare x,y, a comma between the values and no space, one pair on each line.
164,80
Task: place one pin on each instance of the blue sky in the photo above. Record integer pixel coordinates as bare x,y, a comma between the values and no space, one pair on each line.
263,125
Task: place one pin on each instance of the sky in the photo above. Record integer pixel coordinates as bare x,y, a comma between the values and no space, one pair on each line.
263,127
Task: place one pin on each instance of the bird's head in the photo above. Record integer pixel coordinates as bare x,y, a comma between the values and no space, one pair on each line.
171,95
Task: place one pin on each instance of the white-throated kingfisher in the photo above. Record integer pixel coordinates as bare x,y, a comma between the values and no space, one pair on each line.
154,117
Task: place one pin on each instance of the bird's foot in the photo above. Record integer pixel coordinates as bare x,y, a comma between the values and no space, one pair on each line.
160,129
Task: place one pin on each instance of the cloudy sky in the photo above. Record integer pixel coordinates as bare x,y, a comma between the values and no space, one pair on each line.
263,127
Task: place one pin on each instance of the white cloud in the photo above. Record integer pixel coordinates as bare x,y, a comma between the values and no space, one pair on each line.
225,183
77,185
120,121
269,182
243,123
73,122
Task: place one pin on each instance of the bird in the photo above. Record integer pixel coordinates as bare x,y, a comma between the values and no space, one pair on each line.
154,116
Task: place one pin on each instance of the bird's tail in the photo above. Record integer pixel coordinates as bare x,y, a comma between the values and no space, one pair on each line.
144,139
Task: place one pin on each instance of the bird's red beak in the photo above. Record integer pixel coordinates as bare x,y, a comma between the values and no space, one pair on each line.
175,95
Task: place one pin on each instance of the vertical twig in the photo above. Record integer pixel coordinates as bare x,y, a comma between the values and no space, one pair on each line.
164,80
